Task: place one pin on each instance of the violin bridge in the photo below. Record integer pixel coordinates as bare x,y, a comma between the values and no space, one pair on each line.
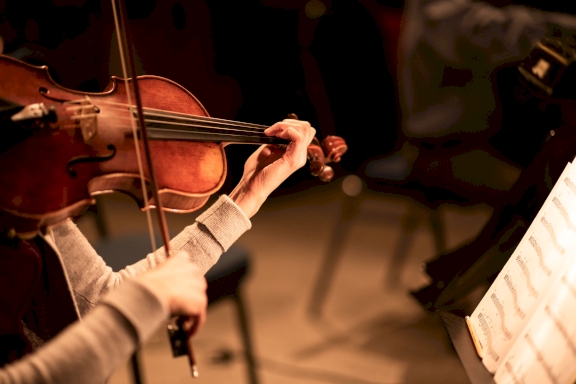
87,119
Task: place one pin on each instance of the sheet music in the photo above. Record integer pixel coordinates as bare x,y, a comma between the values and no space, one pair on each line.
546,350
528,275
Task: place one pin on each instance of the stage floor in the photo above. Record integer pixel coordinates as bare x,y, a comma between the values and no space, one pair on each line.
371,331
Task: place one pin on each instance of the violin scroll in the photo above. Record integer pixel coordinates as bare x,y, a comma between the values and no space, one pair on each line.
319,154
334,147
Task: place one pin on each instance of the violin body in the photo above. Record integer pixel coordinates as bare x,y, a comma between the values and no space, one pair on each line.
70,169
59,147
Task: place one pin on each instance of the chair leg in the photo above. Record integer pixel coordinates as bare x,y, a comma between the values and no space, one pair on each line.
97,210
136,368
245,331
409,225
488,265
350,207
437,227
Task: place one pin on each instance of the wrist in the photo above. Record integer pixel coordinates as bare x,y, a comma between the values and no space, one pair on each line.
247,200
157,287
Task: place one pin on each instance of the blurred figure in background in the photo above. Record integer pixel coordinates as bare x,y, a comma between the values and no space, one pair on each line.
457,84
460,92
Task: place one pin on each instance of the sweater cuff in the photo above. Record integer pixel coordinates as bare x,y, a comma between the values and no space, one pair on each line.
225,221
140,306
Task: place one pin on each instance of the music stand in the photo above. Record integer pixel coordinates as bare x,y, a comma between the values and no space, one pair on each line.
462,342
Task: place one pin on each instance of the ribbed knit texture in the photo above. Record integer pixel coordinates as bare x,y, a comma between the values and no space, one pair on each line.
118,313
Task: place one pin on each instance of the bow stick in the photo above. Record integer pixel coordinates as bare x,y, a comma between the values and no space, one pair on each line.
178,337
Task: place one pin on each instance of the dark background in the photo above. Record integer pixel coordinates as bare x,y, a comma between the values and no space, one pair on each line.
253,61
332,63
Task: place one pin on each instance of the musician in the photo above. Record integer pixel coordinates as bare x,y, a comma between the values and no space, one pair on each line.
452,54
85,319
456,69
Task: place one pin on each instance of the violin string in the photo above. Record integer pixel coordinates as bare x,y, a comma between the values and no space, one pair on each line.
210,137
228,132
181,116
200,126
164,113
222,130
207,128
160,112
223,122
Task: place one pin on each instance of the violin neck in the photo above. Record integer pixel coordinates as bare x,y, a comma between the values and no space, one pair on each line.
175,126
159,133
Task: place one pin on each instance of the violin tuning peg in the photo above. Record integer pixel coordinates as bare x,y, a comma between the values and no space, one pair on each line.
316,168
326,174
292,116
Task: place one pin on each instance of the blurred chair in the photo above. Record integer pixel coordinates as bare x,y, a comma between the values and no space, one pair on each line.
224,278
433,172
351,200
427,192
430,174
457,273
385,22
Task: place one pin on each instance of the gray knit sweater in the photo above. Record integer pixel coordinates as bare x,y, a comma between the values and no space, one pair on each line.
115,313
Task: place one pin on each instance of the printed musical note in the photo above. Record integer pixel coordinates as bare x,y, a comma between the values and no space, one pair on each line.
550,230
512,289
488,334
500,309
562,329
570,184
511,372
525,320
538,250
564,213
541,359
531,290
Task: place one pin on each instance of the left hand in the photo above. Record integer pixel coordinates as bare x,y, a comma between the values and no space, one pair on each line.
270,165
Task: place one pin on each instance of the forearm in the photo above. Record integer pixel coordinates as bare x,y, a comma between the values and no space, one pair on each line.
205,240
88,351
212,234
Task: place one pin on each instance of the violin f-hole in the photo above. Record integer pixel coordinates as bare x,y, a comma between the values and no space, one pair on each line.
89,159
44,92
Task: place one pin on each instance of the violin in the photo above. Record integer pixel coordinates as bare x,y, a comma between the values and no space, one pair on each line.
59,148
65,147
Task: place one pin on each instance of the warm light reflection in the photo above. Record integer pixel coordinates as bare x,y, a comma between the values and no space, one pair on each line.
314,9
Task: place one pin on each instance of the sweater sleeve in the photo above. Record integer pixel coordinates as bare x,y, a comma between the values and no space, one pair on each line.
213,233
89,351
